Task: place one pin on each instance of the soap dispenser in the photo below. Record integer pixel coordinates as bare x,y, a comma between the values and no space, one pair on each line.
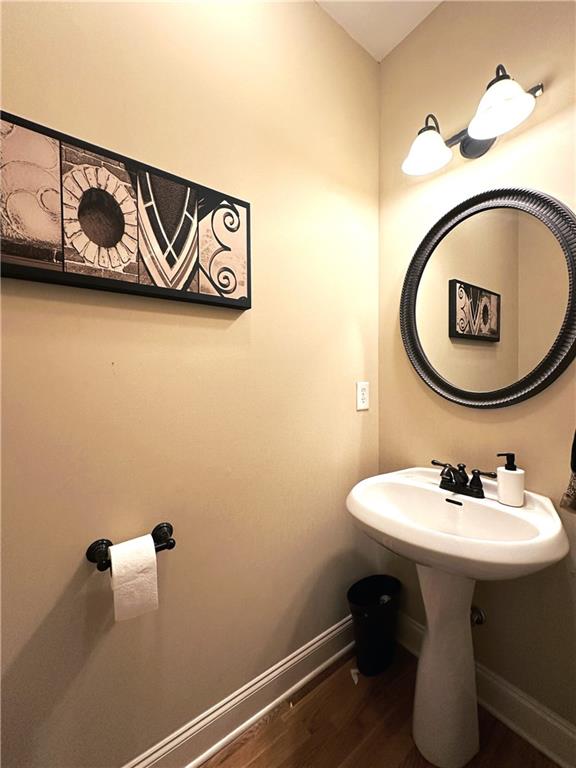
510,482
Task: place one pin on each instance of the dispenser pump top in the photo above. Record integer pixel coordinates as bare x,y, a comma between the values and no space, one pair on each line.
510,461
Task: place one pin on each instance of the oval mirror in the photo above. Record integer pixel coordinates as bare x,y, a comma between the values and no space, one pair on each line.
488,311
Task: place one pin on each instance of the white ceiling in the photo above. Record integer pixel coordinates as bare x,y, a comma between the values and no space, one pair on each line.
380,25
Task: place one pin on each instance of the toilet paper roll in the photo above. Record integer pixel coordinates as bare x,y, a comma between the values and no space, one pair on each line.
134,578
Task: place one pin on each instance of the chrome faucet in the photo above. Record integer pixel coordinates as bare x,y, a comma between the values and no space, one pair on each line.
456,480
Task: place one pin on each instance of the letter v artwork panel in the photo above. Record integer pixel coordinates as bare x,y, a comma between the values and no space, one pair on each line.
76,214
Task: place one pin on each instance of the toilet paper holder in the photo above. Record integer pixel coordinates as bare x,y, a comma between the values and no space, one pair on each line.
97,552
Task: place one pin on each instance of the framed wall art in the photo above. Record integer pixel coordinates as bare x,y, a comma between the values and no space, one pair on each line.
76,214
473,312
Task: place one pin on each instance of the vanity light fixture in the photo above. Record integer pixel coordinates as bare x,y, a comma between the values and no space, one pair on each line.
503,107
428,152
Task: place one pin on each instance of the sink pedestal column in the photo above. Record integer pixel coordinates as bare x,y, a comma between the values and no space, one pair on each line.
445,726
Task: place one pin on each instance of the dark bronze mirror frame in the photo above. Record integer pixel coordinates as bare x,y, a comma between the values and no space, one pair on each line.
561,221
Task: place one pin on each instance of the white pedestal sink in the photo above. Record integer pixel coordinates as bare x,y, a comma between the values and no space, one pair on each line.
454,540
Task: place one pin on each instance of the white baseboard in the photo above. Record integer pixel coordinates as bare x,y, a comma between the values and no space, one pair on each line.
534,722
195,742
198,740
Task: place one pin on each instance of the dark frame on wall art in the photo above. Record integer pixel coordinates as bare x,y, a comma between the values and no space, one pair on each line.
473,312
76,214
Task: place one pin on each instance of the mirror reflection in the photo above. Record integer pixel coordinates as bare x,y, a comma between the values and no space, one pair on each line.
492,299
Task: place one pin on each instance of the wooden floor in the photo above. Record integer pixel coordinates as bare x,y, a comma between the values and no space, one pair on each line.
336,724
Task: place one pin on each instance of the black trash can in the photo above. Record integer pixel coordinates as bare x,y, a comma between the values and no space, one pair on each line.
374,608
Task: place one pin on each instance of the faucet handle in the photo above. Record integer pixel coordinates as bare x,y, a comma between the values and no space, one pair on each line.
476,483
448,471
456,474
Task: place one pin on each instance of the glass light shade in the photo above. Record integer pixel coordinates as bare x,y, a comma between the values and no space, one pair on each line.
504,106
428,153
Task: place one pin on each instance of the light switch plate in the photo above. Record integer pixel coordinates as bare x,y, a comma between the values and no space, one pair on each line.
362,395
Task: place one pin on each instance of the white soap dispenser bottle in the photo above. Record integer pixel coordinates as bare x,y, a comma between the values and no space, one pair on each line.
510,482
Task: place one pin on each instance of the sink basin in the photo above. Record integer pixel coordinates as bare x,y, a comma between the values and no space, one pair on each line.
454,540
408,513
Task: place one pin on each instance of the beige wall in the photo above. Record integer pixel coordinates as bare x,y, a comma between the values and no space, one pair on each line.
443,67
542,291
240,428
